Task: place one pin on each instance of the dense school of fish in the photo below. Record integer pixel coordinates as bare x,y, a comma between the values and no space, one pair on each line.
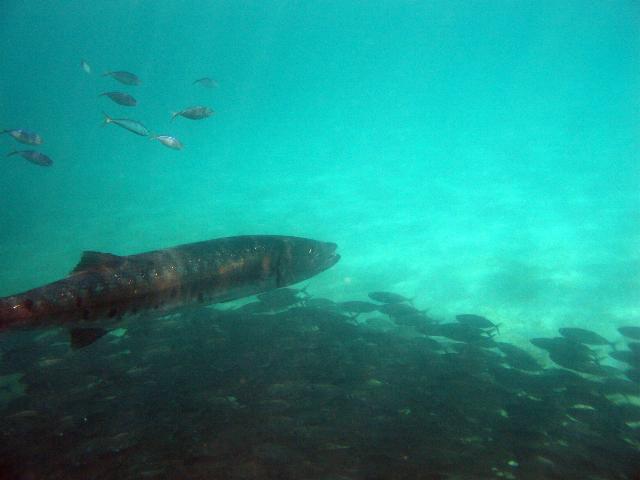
290,386
197,112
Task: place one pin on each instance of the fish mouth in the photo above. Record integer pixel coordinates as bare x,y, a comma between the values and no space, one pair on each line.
332,257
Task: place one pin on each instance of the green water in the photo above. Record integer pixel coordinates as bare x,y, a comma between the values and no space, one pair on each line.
478,156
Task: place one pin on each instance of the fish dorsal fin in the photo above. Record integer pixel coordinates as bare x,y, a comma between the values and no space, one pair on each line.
96,261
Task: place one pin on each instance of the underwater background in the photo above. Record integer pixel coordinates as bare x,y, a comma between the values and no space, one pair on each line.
474,156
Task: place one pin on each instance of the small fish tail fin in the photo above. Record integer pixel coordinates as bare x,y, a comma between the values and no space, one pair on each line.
107,119
153,136
174,115
12,152
5,130
106,74
85,66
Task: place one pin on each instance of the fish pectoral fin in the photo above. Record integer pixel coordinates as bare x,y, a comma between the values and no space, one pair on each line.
96,261
82,337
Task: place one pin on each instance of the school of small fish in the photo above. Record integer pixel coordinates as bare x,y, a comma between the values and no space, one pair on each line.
196,112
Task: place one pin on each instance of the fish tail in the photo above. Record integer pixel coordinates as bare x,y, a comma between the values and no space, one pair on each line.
13,152
4,131
107,119
174,115
105,74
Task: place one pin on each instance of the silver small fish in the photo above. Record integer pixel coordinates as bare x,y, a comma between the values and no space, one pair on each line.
206,82
168,141
194,113
121,98
85,66
33,156
24,136
131,125
127,78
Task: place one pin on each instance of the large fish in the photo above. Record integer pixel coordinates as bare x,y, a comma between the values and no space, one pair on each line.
104,287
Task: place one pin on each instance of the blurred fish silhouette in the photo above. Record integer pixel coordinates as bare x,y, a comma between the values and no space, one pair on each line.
193,113
33,156
127,78
120,98
85,66
24,136
206,82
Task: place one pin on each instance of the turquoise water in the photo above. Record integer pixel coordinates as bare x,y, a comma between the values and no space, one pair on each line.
478,156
